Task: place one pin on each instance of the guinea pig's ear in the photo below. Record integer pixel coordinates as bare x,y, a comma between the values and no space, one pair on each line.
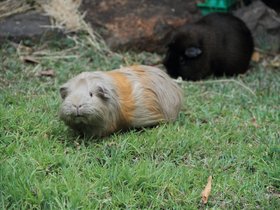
63,92
193,52
103,92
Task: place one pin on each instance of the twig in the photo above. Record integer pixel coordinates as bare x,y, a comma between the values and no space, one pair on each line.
265,52
59,57
11,7
224,81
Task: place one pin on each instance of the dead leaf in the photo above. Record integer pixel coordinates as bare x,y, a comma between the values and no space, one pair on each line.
22,49
29,59
256,56
273,191
254,122
25,49
46,73
275,62
112,143
77,145
207,190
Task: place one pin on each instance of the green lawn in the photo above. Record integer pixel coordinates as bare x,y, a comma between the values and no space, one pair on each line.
229,129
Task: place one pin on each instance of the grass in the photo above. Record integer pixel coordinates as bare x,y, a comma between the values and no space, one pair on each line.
224,131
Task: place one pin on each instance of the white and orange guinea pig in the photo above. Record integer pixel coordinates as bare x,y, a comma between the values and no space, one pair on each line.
100,103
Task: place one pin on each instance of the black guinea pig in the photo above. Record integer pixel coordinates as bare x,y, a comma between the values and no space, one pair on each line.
218,44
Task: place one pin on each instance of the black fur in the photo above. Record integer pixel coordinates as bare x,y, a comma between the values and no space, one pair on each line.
218,44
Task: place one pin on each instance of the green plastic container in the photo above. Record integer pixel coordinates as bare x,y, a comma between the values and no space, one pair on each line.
215,6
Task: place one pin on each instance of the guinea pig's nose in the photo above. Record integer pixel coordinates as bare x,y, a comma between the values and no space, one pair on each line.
78,109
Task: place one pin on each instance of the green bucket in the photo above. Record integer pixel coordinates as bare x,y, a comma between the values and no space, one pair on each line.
210,6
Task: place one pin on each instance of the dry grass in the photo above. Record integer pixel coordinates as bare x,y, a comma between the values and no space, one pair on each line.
65,15
11,7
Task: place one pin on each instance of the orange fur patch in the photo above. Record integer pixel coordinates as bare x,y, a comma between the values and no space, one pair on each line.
124,89
150,102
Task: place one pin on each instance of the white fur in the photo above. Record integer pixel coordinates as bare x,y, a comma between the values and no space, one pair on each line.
100,114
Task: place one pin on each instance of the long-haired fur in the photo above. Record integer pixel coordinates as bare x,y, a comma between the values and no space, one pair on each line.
100,103
218,44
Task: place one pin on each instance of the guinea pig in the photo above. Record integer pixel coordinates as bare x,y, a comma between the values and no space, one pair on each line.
217,44
100,103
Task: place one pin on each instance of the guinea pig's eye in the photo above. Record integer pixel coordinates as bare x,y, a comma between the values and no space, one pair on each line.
90,94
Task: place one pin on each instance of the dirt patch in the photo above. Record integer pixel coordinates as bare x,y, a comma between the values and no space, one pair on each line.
138,25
